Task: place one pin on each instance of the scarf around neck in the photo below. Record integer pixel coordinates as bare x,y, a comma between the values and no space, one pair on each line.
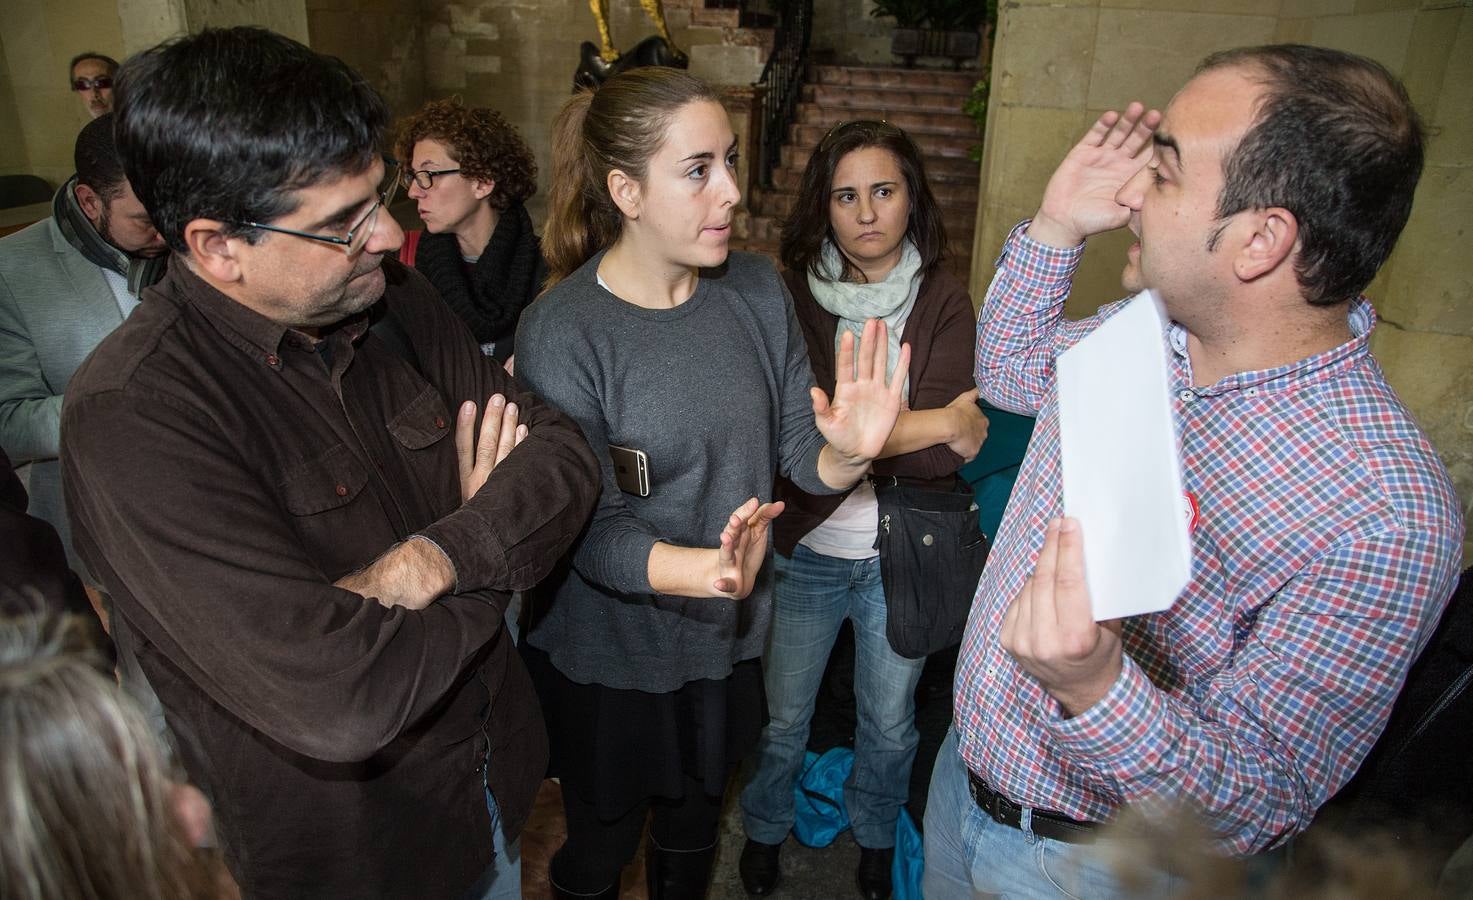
80,233
890,300
503,280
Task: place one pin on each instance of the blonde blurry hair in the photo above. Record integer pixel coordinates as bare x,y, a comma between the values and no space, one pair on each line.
84,790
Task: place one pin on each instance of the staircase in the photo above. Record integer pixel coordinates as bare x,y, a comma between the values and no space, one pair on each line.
926,103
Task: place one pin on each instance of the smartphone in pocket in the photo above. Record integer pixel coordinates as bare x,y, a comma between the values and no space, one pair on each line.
631,470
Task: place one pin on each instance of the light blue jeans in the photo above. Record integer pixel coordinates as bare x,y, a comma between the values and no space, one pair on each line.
813,594
968,854
503,880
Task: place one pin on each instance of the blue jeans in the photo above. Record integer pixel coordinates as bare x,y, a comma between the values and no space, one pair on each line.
503,880
967,853
813,594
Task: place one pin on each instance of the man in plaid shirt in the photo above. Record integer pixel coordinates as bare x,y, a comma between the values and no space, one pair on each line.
1326,535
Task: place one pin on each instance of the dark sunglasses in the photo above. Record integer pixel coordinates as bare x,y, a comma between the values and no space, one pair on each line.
101,82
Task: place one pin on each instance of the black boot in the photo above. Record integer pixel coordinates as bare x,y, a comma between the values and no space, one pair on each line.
759,867
873,874
678,874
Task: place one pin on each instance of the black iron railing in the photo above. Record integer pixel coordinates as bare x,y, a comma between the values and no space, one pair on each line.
782,81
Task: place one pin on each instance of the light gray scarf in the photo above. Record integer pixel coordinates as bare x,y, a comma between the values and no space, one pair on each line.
890,300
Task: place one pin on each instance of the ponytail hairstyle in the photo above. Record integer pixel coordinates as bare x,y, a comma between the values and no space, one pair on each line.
618,127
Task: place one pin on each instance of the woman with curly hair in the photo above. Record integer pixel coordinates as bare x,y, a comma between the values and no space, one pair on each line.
470,172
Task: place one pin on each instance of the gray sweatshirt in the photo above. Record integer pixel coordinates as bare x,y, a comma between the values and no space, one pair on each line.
715,392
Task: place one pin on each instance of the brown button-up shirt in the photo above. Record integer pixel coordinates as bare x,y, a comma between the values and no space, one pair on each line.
222,472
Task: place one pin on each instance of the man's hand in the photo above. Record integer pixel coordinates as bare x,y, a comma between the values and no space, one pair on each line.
1050,630
1080,198
478,456
971,426
412,574
859,418
743,548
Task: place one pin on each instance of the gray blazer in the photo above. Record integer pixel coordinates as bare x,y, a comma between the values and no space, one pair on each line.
55,307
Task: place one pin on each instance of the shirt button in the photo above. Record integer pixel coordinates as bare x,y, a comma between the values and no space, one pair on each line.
439,421
342,490
1186,395
272,361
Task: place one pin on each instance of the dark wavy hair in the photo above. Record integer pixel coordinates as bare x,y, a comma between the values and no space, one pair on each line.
485,145
229,124
808,226
1337,143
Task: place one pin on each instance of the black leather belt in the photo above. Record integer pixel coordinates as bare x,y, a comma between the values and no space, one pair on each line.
1045,824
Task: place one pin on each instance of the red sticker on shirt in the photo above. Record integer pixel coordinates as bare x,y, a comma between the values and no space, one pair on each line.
1191,510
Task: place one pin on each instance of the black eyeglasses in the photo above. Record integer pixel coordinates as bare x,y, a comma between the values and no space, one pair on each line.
357,237
101,82
425,178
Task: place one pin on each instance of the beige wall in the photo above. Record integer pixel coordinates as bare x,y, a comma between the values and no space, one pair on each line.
39,38
1058,65
39,116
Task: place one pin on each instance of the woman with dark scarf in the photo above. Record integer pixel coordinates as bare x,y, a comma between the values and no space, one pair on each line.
470,172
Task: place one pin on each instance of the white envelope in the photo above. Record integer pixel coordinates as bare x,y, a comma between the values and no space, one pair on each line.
1121,465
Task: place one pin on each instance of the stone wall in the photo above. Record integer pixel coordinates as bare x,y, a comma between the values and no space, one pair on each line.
382,39
1059,64
845,32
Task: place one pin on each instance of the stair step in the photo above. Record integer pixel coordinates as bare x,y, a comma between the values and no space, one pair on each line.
884,98
952,82
931,143
907,118
947,168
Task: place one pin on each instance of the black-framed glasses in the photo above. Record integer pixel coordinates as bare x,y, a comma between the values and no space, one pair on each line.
101,82
357,237
425,178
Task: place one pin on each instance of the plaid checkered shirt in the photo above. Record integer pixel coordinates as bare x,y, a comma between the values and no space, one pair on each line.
1328,542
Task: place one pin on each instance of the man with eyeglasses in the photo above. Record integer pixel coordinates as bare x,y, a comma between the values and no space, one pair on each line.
92,80
273,467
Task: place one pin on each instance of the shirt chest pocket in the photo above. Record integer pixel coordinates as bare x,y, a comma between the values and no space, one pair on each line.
423,422
331,480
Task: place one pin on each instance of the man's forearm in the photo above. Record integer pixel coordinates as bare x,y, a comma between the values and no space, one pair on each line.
412,574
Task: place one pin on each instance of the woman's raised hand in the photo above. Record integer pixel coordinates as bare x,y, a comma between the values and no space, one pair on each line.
743,548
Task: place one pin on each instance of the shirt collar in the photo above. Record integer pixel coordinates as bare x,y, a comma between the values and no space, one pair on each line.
1362,320
254,334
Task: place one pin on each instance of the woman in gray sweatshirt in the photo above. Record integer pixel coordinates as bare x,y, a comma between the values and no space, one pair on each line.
684,362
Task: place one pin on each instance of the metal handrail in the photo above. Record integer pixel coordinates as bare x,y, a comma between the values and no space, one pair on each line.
782,81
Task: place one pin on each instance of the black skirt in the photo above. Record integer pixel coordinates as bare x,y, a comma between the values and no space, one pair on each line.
618,747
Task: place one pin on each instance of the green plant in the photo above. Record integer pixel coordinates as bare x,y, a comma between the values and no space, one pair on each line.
906,13
976,107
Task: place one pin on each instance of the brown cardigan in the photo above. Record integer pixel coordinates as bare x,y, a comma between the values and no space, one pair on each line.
941,332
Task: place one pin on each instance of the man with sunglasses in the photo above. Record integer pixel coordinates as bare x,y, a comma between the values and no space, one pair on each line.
92,80
271,468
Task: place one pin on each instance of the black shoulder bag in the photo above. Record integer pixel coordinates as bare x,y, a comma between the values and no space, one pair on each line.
931,555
